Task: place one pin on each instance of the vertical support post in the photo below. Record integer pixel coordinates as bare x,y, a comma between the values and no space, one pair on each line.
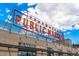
9,51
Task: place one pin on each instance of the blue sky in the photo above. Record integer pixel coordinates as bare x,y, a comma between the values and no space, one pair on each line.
62,18
73,35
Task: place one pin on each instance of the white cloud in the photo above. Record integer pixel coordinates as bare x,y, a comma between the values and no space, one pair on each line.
19,4
60,15
32,11
7,21
9,17
30,4
76,26
24,12
7,10
67,33
3,29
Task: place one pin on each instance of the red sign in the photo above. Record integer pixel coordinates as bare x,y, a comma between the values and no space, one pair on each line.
32,25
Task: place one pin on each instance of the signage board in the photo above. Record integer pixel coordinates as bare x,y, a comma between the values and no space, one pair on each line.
32,24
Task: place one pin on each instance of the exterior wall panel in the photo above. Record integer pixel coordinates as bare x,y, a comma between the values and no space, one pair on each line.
14,39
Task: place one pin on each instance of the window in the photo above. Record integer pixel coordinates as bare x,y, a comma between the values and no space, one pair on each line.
26,53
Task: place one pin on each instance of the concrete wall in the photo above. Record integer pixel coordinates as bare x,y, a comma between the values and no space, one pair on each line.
4,51
14,39
8,38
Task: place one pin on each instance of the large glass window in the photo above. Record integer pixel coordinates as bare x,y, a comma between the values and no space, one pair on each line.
26,53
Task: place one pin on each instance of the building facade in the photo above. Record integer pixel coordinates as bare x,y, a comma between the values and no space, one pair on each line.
30,37
12,44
